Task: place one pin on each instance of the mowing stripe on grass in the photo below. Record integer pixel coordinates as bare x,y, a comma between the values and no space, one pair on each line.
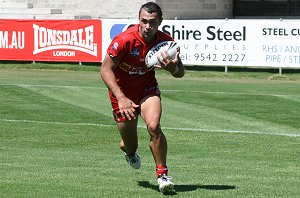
52,86
164,90
164,128
59,123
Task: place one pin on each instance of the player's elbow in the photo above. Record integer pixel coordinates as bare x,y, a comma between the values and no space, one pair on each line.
179,74
181,70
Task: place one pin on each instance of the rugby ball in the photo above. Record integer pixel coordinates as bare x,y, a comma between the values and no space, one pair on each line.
155,52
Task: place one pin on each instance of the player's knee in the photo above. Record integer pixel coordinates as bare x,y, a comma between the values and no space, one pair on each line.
154,127
156,133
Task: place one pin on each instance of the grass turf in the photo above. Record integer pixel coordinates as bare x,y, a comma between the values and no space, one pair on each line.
229,135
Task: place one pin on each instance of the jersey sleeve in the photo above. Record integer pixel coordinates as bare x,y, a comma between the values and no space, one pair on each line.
116,48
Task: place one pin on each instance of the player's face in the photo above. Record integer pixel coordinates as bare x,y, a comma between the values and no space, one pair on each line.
149,23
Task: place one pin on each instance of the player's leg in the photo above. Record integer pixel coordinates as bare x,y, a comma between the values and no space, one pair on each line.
151,113
128,132
129,141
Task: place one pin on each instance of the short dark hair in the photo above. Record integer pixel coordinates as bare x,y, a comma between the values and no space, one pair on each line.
151,7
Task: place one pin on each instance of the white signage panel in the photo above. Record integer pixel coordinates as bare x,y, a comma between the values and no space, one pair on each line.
271,43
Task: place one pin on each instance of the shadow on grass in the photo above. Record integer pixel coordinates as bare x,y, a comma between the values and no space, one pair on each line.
187,188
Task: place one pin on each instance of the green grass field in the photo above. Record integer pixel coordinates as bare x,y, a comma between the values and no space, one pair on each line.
229,135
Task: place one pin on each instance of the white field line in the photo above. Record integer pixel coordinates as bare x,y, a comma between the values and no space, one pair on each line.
163,90
164,128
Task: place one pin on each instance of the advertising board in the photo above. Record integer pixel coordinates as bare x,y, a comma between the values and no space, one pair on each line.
266,43
51,40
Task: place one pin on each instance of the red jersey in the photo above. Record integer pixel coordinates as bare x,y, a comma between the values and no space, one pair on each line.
132,75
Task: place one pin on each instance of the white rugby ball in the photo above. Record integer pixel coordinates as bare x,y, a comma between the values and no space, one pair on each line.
152,56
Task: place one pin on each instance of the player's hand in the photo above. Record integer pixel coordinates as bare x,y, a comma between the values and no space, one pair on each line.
166,61
127,108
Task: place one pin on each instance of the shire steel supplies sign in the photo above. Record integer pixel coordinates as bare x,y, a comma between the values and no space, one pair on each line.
50,40
272,43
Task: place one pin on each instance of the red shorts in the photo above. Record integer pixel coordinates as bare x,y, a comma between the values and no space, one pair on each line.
151,91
